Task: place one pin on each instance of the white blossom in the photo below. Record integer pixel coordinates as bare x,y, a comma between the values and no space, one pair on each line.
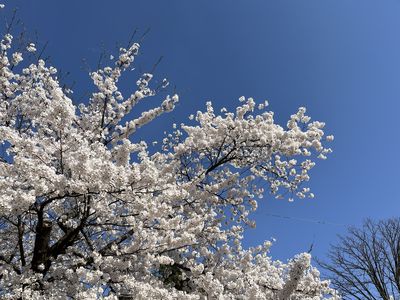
31,47
330,138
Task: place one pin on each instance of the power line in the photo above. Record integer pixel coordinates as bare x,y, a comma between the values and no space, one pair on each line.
322,222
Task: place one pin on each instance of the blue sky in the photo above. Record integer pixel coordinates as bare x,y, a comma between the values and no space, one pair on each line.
339,58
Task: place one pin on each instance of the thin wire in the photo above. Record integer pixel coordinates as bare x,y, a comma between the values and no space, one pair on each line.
304,220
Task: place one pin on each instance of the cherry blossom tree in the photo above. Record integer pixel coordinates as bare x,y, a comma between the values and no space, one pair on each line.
86,213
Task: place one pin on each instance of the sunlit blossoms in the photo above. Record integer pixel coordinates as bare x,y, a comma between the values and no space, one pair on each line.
86,213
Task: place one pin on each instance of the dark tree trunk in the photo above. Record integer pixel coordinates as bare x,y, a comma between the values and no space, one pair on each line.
40,258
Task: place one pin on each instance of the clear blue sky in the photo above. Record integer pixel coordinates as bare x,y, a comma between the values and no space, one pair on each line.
339,58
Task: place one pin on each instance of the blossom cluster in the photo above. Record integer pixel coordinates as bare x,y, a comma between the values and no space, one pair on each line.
86,213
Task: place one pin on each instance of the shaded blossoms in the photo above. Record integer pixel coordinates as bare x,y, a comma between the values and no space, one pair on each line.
85,213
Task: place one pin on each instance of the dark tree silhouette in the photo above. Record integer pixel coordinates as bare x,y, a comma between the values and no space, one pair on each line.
365,264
